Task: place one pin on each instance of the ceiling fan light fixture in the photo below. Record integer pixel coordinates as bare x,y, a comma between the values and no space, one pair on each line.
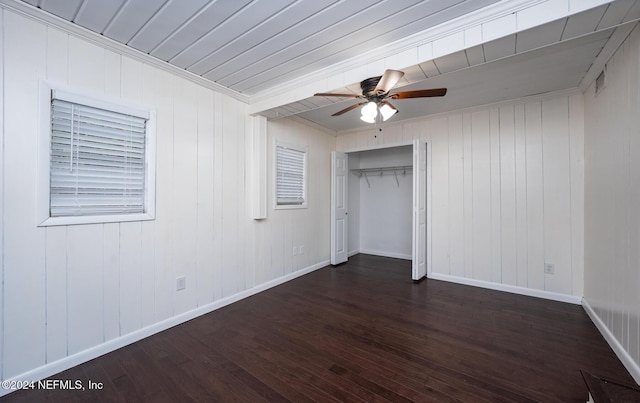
387,111
369,111
375,91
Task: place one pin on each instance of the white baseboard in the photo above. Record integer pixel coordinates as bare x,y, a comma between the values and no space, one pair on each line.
63,364
572,299
385,254
623,355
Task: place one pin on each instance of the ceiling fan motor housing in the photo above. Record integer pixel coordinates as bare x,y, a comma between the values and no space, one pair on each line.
369,85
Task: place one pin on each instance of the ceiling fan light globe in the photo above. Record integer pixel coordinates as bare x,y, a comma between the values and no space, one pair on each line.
387,111
370,110
368,119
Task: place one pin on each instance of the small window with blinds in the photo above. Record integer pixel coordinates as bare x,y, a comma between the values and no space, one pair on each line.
99,161
291,172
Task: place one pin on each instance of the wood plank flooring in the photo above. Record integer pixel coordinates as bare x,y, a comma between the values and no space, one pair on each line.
362,332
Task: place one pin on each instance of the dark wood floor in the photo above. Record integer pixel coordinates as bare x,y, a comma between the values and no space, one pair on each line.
362,331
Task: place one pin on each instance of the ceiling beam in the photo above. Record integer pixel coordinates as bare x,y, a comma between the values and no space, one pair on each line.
492,22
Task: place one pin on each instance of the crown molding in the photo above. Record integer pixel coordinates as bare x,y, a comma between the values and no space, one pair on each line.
34,13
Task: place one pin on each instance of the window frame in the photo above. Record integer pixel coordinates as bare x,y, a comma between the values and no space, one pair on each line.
46,94
299,148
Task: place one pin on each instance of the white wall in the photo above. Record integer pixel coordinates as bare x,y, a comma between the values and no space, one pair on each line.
507,192
385,211
285,230
612,202
72,289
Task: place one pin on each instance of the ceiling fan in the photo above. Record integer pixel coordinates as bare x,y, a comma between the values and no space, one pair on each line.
375,92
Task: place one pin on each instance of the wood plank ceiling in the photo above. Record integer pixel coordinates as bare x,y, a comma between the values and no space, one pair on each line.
252,46
249,46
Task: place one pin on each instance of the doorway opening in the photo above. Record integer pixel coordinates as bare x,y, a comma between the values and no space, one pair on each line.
380,204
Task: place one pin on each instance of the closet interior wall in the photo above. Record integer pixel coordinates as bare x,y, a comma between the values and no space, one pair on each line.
380,205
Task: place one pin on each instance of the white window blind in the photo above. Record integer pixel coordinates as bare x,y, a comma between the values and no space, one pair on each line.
290,176
97,161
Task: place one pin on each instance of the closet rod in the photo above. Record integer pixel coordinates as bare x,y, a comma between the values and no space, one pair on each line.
403,169
400,168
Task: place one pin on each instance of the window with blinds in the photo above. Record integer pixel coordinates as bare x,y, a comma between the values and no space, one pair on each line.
98,161
290,176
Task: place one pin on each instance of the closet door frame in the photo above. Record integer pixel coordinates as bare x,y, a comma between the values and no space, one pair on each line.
339,207
421,233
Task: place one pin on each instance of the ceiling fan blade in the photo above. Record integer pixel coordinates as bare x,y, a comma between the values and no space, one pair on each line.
434,92
387,81
345,110
331,94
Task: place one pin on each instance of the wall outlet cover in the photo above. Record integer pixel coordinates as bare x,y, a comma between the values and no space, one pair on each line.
181,283
549,268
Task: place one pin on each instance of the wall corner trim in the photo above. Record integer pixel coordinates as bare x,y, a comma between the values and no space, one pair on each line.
258,166
617,38
626,359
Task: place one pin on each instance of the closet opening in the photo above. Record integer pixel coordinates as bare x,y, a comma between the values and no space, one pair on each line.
380,197
380,204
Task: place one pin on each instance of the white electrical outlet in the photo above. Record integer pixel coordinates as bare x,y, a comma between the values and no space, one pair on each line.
301,249
295,251
549,268
181,283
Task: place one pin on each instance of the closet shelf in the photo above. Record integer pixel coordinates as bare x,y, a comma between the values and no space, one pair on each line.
381,171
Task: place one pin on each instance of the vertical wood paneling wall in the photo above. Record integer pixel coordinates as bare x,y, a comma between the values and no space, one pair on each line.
293,228
612,202
506,191
71,288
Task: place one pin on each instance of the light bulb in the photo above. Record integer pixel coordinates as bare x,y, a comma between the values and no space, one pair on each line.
387,111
